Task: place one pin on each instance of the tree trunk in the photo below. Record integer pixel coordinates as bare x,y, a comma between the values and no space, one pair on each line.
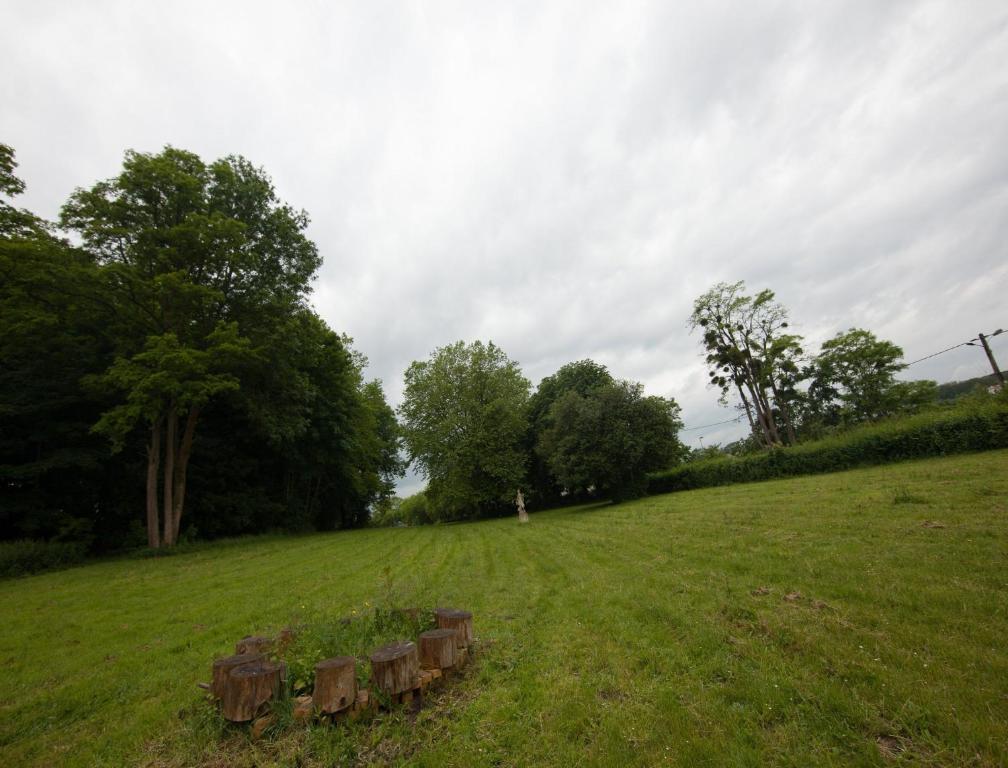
760,416
181,464
153,462
438,648
785,412
771,421
335,684
765,415
223,667
248,688
169,478
748,408
394,667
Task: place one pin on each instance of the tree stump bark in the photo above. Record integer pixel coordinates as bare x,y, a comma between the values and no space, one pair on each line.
223,667
254,645
438,648
335,684
248,688
394,666
460,621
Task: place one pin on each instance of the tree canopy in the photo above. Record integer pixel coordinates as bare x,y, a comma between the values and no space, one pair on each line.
178,330
608,438
464,419
853,378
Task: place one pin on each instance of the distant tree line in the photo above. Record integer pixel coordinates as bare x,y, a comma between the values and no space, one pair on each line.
169,353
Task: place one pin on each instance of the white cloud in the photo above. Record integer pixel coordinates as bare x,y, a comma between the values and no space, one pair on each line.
564,178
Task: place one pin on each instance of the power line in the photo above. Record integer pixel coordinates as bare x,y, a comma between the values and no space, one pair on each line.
969,343
935,354
715,424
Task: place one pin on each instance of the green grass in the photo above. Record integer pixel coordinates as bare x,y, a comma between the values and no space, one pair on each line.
610,635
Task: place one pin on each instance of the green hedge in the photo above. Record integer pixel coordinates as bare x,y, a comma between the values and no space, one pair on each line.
18,558
974,426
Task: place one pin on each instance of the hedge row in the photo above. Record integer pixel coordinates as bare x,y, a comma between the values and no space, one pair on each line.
959,429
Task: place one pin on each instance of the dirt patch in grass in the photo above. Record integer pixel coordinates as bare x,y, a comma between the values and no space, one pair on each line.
610,694
890,747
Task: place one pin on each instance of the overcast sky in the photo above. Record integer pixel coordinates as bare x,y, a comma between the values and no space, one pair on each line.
565,178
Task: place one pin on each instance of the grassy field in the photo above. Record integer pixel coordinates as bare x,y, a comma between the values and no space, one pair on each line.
858,618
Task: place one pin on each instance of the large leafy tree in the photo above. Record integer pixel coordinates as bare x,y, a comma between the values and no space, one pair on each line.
464,419
606,440
853,379
199,260
581,377
749,352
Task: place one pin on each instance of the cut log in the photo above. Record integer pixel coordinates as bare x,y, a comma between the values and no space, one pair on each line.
335,684
438,648
394,666
253,644
460,621
222,668
248,689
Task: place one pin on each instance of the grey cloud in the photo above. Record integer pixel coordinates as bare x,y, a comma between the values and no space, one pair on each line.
564,179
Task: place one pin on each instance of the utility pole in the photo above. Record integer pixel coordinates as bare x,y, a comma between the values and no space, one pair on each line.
990,355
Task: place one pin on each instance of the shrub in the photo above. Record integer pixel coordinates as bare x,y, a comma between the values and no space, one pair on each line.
973,426
18,558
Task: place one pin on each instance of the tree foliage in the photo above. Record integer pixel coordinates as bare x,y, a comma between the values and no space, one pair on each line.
198,260
581,377
184,306
853,379
607,439
750,353
464,417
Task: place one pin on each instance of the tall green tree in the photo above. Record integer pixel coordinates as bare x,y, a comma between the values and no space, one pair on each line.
606,440
750,352
464,419
853,379
581,377
199,260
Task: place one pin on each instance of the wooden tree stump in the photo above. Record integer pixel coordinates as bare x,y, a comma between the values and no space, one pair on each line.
253,644
460,621
335,684
438,648
223,667
394,666
248,688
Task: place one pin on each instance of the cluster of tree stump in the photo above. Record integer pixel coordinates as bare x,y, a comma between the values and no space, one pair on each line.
246,683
